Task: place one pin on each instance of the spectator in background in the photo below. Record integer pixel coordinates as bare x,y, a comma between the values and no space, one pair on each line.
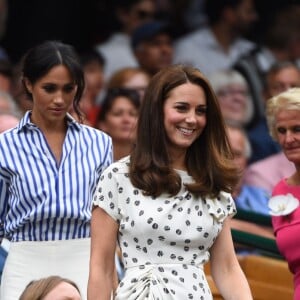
6,73
152,46
281,43
118,117
92,63
7,121
283,115
117,50
50,288
266,172
219,45
93,66
8,104
130,78
23,101
233,96
193,14
3,20
280,77
246,197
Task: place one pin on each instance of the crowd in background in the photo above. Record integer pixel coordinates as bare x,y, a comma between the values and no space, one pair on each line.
143,38
214,36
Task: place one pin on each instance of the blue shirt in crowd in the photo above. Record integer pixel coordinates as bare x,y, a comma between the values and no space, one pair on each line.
253,199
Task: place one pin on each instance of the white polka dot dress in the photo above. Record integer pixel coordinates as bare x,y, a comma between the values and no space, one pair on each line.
165,240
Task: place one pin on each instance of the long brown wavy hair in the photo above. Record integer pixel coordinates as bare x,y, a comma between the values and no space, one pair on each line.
208,159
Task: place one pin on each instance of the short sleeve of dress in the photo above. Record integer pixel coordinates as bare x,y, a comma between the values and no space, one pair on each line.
221,207
106,194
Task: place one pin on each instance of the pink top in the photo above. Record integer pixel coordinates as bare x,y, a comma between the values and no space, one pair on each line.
267,172
287,232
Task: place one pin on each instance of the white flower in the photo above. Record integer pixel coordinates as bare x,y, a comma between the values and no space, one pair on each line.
282,205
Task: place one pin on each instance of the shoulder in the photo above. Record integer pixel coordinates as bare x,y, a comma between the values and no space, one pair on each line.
280,188
262,164
255,192
222,206
94,133
119,167
192,37
116,39
245,44
8,136
273,162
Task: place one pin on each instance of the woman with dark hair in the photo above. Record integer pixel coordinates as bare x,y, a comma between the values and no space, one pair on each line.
118,117
168,203
49,288
49,174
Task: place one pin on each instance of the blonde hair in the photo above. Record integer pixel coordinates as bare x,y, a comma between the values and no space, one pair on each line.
288,100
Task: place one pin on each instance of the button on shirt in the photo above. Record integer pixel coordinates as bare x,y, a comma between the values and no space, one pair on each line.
41,200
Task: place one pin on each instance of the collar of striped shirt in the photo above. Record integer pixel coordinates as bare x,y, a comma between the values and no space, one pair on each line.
25,122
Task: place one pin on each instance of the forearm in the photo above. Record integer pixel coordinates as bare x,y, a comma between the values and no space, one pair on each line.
100,287
252,228
102,260
226,270
233,284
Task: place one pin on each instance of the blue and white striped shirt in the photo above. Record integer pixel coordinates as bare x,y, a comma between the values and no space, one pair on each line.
40,200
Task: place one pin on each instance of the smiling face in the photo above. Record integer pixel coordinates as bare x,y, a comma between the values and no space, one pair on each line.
184,117
52,95
63,291
288,133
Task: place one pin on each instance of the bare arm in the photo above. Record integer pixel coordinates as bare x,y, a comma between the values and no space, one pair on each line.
225,269
104,231
252,228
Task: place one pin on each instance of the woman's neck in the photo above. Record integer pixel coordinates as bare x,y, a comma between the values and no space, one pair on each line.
121,149
49,126
294,179
178,160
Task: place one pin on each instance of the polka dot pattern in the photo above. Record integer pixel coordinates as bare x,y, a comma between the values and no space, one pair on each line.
165,240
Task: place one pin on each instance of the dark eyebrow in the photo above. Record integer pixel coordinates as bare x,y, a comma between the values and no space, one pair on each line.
183,102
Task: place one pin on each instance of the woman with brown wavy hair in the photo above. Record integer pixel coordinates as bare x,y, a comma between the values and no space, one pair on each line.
168,203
